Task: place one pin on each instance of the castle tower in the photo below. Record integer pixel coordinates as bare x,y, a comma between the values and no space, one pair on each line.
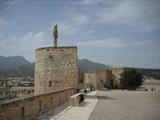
56,68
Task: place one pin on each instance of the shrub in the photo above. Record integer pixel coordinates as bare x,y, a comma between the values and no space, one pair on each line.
131,79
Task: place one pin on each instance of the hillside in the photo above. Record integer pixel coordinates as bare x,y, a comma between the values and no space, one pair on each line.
18,66
154,73
15,66
86,65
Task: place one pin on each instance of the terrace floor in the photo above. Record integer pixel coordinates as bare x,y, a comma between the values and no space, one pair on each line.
112,105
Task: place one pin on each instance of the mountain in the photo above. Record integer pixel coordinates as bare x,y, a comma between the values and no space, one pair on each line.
19,66
12,62
86,65
154,73
15,66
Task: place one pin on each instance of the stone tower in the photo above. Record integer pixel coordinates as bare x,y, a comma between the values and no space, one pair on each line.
56,68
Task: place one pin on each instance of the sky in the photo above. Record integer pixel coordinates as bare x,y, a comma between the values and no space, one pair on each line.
113,32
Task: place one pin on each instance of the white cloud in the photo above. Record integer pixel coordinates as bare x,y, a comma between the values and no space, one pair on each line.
140,14
24,46
14,2
93,2
113,43
78,23
81,20
2,22
67,28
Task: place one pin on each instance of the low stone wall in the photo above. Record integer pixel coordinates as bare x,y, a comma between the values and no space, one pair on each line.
29,107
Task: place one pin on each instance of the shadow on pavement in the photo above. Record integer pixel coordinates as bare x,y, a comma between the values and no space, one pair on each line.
84,104
105,97
100,97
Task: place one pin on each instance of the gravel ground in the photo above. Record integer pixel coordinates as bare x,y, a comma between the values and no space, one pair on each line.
127,105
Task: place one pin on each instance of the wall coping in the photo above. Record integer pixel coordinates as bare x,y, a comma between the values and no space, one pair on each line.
66,47
2,103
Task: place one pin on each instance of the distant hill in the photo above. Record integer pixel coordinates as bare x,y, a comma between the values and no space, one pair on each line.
15,66
154,73
12,62
19,66
86,65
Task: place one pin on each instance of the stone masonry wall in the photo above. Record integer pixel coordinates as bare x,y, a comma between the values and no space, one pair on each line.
117,72
56,69
101,78
108,77
29,107
90,78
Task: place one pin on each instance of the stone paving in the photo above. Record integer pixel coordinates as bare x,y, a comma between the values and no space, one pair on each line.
82,112
110,105
127,105
63,112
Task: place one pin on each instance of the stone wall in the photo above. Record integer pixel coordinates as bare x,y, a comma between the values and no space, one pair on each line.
101,78
56,69
109,78
90,78
117,72
29,107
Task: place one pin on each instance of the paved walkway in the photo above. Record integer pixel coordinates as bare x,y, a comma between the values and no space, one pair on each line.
127,105
72,113
79,113
111,105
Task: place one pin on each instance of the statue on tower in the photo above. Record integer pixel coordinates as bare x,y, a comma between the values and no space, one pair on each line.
55,34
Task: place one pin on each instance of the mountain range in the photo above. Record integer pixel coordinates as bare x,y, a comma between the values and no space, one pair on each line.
15,66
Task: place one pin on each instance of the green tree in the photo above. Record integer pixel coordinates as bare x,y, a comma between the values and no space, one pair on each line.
131,79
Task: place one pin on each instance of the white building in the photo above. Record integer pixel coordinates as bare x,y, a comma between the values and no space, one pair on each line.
4,88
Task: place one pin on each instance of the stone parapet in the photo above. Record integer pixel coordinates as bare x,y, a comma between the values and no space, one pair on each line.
29,107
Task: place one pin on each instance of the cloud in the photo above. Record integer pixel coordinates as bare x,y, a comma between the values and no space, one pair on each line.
25,45
8,3
113,43
13,2
140,14
94,2
2,22
78,23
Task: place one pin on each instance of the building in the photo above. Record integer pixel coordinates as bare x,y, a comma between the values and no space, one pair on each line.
90,79
21,91
109,78
116,72
4,88
98,80
56,68
101,78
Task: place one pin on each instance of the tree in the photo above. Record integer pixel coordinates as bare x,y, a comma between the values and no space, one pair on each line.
131,79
